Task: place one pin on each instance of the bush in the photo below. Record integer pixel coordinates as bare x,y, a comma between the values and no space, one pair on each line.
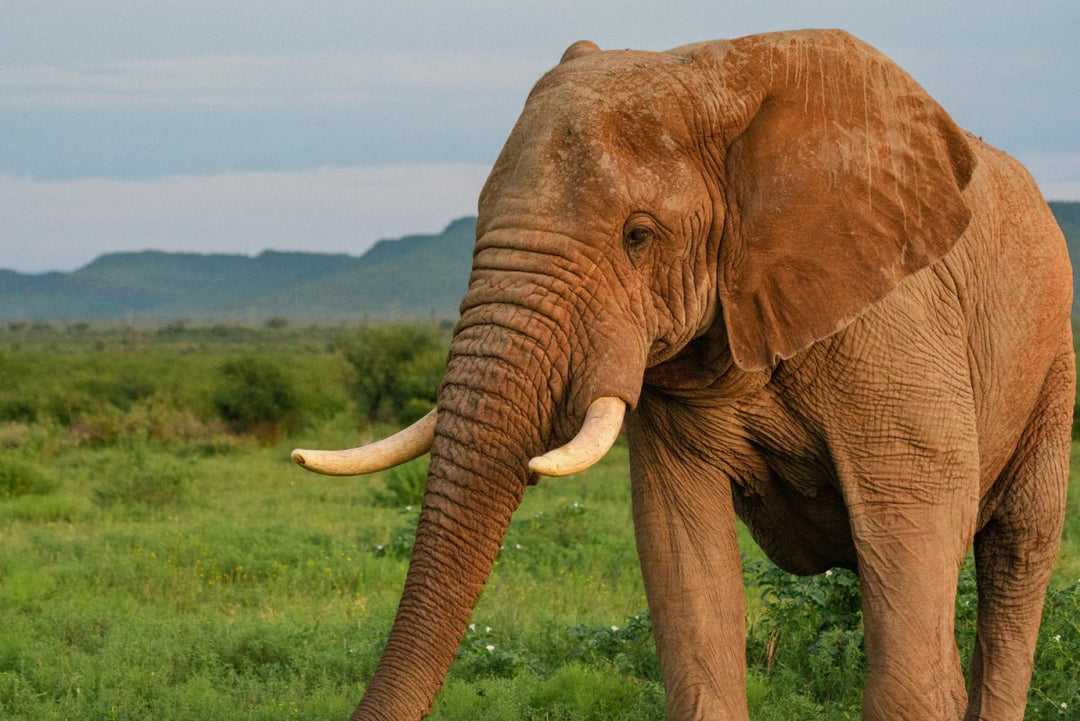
18,478
404,485
255,395
121,391
811,632
146,480
1055,694
629,648
403,538
812,629
18,410
396,369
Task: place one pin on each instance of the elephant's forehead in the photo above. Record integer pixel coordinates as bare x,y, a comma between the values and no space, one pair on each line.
569,167
599,136
611,92
605,124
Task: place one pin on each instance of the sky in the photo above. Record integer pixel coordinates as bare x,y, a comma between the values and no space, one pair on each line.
247,125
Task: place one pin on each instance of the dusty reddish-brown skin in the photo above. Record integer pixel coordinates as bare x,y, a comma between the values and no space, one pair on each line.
833,313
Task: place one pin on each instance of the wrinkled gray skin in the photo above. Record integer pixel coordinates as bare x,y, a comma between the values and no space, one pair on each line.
831,312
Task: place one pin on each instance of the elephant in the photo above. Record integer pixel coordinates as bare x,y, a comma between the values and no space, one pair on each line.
813,303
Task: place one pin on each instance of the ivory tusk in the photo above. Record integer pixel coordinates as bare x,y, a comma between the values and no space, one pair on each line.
598,432
405,445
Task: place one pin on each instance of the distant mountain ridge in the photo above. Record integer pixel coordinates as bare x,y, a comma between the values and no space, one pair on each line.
414,276
417,276
1068,218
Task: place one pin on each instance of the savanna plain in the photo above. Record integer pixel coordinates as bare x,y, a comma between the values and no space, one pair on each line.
162,558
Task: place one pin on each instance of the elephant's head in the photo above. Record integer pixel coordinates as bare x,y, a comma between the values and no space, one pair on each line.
674,219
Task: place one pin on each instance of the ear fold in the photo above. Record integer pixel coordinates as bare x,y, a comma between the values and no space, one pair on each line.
846,179
578,49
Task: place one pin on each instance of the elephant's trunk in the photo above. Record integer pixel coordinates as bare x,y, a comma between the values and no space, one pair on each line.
457,540
487,429
517,384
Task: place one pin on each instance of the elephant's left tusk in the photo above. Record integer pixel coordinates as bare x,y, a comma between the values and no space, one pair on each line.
403,446
598,432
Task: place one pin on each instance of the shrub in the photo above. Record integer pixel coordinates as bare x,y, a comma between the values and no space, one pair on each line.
19,410
481,656
121,390
416,408
404,485
144,479
1055,694
628,647
14,435
263,651
811,628
18,478
811,631
255,395
396,369
400,545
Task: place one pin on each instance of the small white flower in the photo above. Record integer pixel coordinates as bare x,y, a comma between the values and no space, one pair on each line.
1064,705
518,546
472,626
828,573
614,628
490,648
1058,638
487,629
408,508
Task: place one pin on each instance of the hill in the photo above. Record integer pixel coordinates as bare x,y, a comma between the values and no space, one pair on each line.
415,276
1068,217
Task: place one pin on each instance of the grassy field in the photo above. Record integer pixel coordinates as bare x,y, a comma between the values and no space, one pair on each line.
158,562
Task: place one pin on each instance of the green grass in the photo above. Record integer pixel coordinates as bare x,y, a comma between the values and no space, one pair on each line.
170,569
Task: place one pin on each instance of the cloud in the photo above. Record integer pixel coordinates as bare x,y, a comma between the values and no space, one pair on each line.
307,80
61,225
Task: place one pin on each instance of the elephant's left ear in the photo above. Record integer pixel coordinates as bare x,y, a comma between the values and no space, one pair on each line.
846,177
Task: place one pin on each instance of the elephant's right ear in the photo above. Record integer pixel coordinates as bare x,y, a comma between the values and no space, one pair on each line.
846,177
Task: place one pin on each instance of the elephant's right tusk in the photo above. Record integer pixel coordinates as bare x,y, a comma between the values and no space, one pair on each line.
405,445
601,427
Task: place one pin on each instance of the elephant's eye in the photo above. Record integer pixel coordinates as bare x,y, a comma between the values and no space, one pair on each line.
638,236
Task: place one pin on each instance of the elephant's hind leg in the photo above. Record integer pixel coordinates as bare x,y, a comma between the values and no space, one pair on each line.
1015,552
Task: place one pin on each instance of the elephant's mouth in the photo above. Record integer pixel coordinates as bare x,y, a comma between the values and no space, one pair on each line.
598,432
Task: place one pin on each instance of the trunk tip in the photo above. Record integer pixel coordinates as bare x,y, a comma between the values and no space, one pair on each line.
298,457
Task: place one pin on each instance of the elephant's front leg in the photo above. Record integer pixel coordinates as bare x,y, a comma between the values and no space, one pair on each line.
909,563
686,538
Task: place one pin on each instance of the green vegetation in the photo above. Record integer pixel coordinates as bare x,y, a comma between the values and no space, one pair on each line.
396,369
255,395
162,559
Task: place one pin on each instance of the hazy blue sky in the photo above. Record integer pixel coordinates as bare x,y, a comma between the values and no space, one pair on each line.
236,126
